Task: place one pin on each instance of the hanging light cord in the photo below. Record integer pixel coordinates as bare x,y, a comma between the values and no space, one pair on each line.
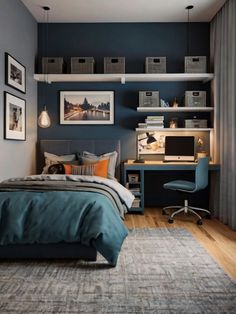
46,19
189,7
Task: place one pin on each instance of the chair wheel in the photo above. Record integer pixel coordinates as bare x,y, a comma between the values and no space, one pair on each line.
170,221
199,222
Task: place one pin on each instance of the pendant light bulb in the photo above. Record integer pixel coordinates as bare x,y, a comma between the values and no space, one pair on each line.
44,120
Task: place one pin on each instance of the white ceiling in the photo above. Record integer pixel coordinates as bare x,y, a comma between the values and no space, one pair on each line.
97,11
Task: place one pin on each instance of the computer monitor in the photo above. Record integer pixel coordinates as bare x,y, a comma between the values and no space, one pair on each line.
179,148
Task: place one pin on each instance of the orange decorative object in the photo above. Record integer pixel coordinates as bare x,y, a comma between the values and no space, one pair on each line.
101,168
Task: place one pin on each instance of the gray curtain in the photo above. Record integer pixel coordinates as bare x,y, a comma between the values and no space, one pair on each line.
223,62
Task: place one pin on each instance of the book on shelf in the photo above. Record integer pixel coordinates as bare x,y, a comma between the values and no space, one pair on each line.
155,118
142,125
136,203
154,122
135,193
134,190
150,126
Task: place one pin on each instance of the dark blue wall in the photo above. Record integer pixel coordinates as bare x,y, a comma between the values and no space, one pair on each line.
135,41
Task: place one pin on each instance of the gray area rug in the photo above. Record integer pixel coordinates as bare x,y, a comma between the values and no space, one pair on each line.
159,271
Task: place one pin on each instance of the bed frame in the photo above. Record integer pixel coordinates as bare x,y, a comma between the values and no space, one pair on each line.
62,250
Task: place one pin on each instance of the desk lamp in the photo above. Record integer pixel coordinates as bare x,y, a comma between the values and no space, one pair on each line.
150,139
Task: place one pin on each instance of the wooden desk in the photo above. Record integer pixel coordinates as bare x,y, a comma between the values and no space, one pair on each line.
137,188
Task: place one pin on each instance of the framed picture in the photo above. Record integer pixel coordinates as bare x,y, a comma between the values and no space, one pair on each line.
87,107
14,118
15,75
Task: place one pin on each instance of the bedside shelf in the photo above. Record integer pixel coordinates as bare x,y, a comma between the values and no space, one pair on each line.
175,109
123,78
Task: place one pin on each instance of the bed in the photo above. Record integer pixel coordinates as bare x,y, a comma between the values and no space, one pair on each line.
64,215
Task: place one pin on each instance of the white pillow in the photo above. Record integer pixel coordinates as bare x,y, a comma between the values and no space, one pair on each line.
51,159
87,157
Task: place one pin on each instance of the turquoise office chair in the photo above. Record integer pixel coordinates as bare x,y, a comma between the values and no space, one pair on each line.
186,187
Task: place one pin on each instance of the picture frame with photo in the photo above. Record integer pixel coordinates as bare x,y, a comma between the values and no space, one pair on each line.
151,143
87,107
15,73
14,117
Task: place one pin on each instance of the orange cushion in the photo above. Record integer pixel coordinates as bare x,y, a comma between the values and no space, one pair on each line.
101,168
68,168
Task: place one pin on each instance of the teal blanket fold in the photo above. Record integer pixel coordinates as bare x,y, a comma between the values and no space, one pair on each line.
41,216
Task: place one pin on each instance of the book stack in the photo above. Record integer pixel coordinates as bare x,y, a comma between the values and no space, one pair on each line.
153,122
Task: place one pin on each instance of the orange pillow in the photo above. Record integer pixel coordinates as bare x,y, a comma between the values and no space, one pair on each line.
101,168
68,168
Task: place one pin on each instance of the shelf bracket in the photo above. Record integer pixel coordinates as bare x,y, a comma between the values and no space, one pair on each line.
122,80
46,79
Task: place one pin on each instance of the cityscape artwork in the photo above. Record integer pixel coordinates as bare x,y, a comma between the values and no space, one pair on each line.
87,107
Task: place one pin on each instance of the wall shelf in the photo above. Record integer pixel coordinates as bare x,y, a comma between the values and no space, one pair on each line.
123,78
173,129
175,109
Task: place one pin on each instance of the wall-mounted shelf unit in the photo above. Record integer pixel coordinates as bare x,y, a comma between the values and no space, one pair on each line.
175,109
123,78
173,129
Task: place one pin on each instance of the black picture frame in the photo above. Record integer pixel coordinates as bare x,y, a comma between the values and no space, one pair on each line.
15,73
14,117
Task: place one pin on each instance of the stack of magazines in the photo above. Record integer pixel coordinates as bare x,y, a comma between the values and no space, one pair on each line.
153,122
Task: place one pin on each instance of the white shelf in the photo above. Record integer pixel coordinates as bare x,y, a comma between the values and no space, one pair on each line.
123,78
175,109
173,129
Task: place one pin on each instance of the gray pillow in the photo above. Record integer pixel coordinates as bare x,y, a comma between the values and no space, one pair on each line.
87,158
51,159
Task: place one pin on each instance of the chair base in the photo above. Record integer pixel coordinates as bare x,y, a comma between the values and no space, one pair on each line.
186,209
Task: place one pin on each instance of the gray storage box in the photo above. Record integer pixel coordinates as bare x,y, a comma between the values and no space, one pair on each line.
195,123
155,65
82,65
52,65
196,64
195,99
149,99
114,65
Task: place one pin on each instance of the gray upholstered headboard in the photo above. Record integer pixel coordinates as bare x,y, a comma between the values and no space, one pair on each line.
65,147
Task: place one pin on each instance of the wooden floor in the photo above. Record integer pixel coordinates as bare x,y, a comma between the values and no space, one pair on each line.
218,239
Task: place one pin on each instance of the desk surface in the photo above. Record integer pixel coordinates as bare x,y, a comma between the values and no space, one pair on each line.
160,165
